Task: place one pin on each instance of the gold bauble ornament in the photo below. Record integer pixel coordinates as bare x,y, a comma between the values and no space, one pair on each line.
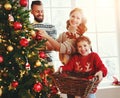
29,56
8,6
23,52
0,91
33,53
38,63
33,33
29,39
10,48
18,17
0,40
35,76
46,65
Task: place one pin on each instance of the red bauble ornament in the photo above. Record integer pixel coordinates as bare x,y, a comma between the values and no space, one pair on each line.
37,87
42,54
17,26
38,36
14,84
24,42
24,3
1,59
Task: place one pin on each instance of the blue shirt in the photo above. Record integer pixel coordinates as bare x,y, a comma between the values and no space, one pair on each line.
50,29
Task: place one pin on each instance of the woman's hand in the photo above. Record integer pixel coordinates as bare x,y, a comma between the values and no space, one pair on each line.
81,29
71,35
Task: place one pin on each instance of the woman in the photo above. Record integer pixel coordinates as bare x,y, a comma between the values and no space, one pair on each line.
65,44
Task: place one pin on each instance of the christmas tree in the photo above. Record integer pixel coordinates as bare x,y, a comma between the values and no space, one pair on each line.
24,69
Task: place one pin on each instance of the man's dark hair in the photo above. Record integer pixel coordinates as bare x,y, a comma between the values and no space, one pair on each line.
35,3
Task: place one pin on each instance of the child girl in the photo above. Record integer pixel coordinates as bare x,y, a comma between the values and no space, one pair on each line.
86,61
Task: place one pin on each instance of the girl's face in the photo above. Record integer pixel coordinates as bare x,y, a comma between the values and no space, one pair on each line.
83,48
75,18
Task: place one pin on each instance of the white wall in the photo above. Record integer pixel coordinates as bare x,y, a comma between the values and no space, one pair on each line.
108,93
118,27
113,92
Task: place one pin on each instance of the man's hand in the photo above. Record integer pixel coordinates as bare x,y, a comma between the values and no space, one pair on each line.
43,33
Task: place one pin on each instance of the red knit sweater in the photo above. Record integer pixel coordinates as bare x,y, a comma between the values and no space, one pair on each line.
90,63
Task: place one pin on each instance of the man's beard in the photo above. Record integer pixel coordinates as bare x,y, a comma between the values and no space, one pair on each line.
38,19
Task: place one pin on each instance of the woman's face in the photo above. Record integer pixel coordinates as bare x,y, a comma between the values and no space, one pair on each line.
75,18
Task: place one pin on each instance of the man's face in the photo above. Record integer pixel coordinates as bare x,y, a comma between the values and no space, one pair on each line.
38,13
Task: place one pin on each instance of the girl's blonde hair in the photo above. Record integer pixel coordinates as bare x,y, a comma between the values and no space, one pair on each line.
83,18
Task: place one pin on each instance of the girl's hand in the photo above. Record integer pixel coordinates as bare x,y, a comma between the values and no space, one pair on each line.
99,74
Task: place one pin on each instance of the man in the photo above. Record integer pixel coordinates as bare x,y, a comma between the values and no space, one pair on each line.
38,13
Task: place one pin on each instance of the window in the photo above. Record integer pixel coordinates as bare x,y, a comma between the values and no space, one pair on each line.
102,23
